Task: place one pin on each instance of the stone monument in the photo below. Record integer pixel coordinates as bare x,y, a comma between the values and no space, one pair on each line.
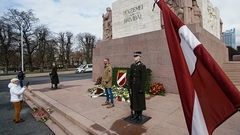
137,28
107,24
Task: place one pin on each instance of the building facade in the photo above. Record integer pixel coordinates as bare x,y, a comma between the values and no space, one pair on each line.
229,38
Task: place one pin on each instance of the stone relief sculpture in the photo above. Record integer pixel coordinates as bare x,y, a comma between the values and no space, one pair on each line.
187,10
180,14
212,19
173,6
186,5
197,15
107,24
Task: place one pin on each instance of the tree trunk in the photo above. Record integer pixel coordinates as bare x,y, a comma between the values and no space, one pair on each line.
42,66
30,63
6,64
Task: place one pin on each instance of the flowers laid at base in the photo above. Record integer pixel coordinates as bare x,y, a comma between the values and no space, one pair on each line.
157,88
50,110
96,91
98,82
120,93
40,115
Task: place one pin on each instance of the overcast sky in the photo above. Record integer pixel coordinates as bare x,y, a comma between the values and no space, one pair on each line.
85,15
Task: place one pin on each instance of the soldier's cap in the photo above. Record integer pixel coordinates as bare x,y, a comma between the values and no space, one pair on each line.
135,54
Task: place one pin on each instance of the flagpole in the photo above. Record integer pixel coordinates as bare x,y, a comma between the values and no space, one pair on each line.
22,48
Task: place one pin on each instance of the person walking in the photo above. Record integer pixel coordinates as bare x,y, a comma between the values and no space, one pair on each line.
137,79
16,92
21,77
54,77
107,83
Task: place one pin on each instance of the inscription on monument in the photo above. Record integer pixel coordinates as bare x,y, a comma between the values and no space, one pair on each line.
133,14
131,17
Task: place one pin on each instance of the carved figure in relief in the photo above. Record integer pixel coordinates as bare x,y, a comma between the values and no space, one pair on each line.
179,9
197,15
173,6
180,14
107,24
186,5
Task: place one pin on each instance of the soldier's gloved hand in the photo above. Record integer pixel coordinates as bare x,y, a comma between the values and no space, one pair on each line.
140,91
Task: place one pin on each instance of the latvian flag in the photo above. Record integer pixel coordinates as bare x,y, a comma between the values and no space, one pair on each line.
208,96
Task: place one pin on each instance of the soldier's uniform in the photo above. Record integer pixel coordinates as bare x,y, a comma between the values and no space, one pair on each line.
137,81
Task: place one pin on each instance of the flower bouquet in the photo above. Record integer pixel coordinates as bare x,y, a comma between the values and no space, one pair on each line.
50,110
96,91
120,93
39,115
157,88
98,82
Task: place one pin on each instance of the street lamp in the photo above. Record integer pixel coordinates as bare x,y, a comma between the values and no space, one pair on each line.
22,48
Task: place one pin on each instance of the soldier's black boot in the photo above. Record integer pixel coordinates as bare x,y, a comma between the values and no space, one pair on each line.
55,86
139,118
135,116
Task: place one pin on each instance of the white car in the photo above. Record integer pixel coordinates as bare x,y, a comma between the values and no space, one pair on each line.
84,68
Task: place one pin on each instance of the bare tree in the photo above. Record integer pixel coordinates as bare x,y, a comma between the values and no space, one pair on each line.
25,21
78,57
68,48
6,36
42,33
51,49
86,42
65,45
61,40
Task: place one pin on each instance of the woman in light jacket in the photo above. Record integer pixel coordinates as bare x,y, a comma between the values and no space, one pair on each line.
16,92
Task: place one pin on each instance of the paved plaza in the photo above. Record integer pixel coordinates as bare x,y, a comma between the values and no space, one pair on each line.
74,101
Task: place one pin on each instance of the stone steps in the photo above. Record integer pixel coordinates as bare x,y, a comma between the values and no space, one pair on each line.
232,70
53,126
66,119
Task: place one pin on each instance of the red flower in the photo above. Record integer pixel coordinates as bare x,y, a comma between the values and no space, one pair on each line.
157,88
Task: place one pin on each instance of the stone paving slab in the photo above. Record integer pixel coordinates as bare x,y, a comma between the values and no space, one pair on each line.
166,112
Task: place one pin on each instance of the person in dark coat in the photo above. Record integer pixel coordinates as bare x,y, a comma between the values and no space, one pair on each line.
138,75
54,77
21,76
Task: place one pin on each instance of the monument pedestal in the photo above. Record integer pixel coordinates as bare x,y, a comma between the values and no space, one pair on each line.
155,53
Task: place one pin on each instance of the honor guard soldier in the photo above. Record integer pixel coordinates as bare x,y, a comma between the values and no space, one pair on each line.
138,75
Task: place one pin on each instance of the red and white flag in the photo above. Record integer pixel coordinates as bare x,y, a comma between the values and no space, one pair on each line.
208,96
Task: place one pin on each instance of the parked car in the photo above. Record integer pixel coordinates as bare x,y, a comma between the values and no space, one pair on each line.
84,68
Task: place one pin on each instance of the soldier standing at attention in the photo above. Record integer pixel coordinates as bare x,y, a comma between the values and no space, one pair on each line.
138,75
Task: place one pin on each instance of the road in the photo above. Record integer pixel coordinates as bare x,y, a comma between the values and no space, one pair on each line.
30,126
